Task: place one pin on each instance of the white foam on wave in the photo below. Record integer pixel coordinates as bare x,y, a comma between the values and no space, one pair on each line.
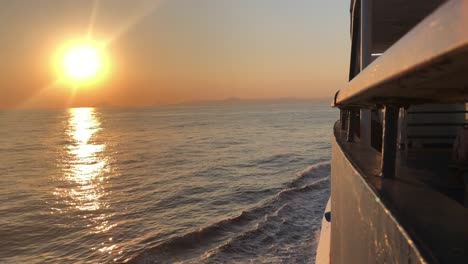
314,168
281,229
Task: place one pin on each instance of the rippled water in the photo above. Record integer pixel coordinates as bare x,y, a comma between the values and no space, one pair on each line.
209,184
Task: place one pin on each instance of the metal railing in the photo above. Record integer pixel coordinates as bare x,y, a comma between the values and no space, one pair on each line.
412,72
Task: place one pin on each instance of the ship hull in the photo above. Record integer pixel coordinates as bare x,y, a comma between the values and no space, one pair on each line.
363,230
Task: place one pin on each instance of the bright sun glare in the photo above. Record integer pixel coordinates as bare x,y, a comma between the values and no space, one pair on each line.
81,63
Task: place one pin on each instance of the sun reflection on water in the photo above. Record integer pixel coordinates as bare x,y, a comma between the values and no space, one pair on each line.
86,166
85,171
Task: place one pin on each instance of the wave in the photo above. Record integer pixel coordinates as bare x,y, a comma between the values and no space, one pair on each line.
276,159
315,171
280,223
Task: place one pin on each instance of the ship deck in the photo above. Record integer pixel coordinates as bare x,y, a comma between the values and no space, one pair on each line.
425,197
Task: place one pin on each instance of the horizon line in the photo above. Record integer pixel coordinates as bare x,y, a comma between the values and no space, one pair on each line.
201,102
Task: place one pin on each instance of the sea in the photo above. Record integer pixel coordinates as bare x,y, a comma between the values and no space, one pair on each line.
235,183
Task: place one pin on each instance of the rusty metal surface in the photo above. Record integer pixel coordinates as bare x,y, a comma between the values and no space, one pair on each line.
427,65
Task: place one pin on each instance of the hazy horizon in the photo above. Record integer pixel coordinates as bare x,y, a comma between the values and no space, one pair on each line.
213,102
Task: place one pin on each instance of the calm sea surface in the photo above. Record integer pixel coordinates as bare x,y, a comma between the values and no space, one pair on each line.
204,184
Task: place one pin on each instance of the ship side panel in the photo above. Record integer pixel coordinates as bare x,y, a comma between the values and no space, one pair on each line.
363,230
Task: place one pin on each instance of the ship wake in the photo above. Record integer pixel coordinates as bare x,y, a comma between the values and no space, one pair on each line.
281,229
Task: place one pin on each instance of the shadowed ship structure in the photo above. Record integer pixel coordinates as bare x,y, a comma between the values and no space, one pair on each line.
400,149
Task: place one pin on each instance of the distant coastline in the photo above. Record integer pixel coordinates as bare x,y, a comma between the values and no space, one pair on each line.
248,101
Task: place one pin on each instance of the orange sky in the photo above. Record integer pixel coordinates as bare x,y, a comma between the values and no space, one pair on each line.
174,51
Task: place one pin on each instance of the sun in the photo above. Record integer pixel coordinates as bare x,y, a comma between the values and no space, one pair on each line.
81,63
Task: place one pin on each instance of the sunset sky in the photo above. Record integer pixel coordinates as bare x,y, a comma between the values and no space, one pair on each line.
173,51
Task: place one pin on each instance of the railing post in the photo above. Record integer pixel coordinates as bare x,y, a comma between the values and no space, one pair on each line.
389,141
351,125
343,116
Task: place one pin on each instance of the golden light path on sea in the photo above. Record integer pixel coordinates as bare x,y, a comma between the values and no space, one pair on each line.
86,169
86,165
